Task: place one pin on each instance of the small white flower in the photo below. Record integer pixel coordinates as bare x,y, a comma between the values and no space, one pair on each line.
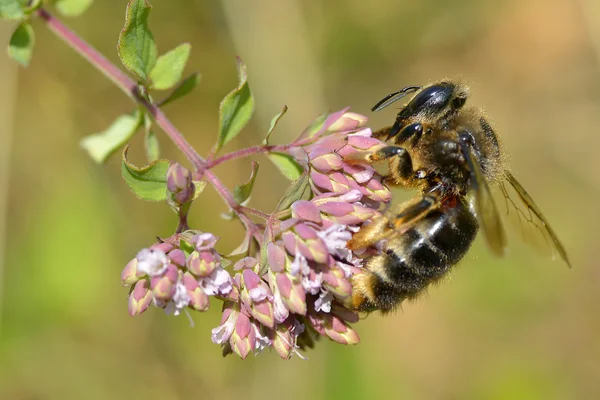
312,286
323,303
259,294
299,264
205,241
181,299
280,311
152,262
222,333
218,282
335,238
261,342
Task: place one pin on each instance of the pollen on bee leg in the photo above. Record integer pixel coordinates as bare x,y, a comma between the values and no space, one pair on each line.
362,292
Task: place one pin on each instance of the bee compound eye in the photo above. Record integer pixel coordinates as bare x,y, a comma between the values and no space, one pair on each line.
435,96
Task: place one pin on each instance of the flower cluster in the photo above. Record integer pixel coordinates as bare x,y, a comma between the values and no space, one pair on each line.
295,287
163,275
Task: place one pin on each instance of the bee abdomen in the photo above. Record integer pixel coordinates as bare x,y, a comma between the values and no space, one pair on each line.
420,256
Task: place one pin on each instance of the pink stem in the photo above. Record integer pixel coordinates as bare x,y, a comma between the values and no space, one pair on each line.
131,88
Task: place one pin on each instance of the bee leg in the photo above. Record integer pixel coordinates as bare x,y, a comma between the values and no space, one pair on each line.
393,221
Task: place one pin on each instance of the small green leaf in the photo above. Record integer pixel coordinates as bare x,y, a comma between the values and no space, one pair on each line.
149,182
31,6
199,188
296,191
274,122
152,146
242,193
72,8
169,67
21,43
136,47
243,247
11,9
236,108
101,145
288,166
185,87
263,262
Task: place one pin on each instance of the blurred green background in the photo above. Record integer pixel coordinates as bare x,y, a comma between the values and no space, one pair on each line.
518,328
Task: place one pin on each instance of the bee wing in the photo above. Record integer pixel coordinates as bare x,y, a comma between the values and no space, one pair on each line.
484,205
529,220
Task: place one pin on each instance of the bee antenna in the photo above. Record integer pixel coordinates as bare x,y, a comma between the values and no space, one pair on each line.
393,97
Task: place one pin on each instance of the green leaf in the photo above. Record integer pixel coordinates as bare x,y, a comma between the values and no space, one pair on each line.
288,166
136,47
242,193
263,262
152,146
11,9
296,191
236,108
20,47
101,145
149,182
243,247
72,8
198,188
169,67
185,87
31,6
274,122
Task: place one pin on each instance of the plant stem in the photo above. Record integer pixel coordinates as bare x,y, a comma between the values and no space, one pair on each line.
131,88
123,82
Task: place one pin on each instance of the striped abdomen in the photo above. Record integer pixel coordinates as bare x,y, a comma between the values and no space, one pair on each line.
416,258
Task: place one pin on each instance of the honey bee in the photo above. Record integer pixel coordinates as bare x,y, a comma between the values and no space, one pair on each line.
452,156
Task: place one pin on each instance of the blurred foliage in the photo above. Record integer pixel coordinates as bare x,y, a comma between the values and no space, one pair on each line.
518,328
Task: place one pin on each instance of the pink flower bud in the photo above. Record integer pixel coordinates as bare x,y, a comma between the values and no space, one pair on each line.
349,121
139,298
307,211
179,183
257,296
177,257
198,299
203,263
292,292
327,162
283,341
276,257
243,338
163,286
130,274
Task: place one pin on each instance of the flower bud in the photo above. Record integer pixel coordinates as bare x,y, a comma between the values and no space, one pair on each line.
177,257
203,263
179,183
198,299
130,274
349,121
307,211
291,290
139,298
163,286
258,297
243,338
